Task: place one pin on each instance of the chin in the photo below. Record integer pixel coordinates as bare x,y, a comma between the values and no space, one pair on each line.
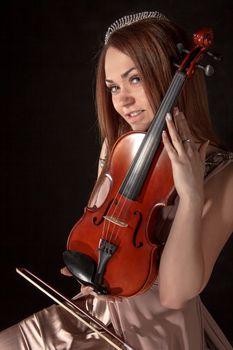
141,128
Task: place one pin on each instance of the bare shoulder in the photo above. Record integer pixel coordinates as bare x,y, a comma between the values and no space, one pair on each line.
219,190
217,216
221,183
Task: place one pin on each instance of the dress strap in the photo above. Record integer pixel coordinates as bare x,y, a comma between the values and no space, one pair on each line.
214,159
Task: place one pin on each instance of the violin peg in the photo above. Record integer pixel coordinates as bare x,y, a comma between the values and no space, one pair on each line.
209,70
215,56
181,48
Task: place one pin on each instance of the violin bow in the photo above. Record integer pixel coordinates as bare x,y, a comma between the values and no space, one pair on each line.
73,309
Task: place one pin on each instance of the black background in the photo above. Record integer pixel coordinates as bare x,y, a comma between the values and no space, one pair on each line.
49,137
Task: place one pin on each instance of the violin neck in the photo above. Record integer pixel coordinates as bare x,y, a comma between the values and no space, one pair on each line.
138,171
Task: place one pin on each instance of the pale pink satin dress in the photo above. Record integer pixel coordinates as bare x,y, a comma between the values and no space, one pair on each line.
141,320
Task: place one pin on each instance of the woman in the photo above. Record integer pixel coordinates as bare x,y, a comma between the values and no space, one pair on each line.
134,71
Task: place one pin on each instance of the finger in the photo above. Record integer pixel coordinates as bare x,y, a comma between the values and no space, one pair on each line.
184,131
168,146
203,150
175,138
182,125
86,289
64,271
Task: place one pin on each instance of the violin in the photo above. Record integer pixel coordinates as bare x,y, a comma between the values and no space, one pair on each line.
113,247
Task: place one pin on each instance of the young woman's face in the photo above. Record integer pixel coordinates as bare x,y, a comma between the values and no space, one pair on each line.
127,88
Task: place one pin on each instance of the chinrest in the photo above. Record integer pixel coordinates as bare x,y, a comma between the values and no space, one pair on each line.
83,268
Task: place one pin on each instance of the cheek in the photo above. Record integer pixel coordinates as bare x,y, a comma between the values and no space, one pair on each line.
115,104
148,105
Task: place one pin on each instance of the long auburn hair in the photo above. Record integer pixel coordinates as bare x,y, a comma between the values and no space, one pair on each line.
152,45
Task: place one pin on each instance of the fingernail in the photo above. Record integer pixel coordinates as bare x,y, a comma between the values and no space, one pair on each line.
176,110
168,116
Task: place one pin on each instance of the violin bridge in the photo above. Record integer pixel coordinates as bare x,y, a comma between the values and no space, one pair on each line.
115,221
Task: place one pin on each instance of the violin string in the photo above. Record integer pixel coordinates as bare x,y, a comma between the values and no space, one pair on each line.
146,151
106,233
115,228
120,207
113,234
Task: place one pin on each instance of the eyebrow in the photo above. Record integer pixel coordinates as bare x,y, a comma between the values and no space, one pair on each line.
123,75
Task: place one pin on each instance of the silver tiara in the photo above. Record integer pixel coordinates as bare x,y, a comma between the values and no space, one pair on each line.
128,20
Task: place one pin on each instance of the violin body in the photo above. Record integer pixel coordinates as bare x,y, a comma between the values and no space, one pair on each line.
133,266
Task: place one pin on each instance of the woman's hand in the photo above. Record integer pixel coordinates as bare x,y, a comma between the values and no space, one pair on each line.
187,158
87,290
64,271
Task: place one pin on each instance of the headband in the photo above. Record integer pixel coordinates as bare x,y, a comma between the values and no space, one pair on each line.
130,19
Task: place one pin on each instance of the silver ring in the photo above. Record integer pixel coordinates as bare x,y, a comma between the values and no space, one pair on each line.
186,140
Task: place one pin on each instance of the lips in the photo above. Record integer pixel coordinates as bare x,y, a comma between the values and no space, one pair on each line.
134,113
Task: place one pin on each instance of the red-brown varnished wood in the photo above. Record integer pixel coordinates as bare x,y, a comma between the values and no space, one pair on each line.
133,267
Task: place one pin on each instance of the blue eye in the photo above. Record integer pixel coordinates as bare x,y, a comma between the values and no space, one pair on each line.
113,89
135,79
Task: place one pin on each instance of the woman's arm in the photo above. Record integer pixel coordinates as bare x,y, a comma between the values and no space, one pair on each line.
203,221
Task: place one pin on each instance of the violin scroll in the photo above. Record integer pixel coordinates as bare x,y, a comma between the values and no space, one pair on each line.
202,40
204,37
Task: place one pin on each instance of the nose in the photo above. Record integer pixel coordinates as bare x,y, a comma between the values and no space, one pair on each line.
126,97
